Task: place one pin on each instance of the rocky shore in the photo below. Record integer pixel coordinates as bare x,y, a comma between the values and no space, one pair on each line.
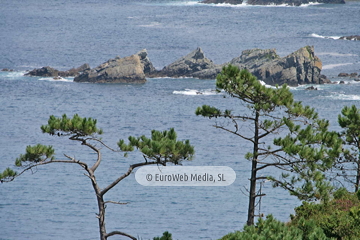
299,67
52,72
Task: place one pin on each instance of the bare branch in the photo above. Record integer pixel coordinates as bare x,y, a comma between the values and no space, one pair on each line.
119,233
30,167
97,163
131,168
237,134
102,143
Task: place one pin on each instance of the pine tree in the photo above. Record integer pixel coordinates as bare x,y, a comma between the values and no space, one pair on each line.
162,148
349,120
285,135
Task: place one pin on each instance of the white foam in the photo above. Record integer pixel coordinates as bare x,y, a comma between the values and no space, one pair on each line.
266,85
194,92
310,4
331,66
346,97
12,74
151,25
326,37
336,54
57,80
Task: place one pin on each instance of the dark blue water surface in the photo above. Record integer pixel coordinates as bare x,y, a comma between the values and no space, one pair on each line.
57,202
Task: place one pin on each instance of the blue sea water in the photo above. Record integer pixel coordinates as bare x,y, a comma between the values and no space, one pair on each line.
57,201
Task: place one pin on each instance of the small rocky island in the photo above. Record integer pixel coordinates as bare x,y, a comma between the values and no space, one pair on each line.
352,38
272,2
299,67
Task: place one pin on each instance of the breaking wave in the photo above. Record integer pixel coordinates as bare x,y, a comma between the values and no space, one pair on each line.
326,37
57,80
193,92
331,66
346,97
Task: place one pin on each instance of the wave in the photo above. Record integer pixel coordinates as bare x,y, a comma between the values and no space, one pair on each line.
12,74
331,66
325,37
336,54
51,79
152,24
266,85
345,97
194,92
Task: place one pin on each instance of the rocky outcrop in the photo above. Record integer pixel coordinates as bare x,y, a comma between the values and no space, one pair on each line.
73,72
353,75
189,66
44,72
273,2
353,37
254,58
311,88
118,70
52,72
7,70
148,67
300,67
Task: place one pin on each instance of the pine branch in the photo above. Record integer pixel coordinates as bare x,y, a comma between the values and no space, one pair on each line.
119,233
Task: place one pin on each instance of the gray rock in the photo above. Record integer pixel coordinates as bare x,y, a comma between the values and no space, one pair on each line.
7,70
118,70
73,72
52,72
43,72
343,75
148,67
353,74
353,37
311,88
324,80
300,67
208,73
254,58
188,66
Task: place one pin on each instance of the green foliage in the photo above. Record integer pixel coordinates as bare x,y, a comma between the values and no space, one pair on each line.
285,133
339,218
35,154
272,229
7,174
76,126
243,85
162,147
166,236
349,120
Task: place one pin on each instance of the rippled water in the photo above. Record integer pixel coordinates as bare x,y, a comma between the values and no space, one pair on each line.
57,202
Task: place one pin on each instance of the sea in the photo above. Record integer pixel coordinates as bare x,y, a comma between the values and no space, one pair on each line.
57,201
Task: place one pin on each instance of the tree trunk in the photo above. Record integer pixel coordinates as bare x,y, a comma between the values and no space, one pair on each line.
252,194
357,176
101,205
101,216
